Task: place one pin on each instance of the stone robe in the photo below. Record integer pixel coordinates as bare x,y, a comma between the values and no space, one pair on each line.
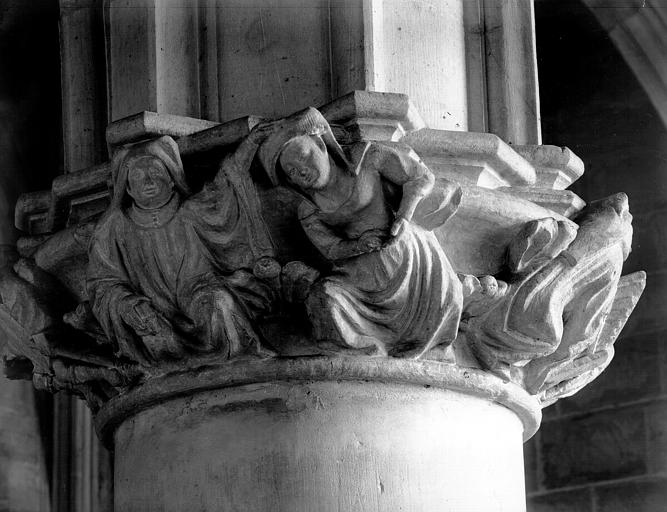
402,298
191,260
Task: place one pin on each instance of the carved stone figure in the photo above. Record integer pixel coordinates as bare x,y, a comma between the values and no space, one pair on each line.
550,320
358,256
170,272
391,289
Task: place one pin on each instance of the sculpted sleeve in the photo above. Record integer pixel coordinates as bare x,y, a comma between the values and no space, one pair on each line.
110,290
330,245
428,201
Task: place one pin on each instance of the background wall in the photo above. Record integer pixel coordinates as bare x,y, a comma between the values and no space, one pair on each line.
223,59
30,122
606,448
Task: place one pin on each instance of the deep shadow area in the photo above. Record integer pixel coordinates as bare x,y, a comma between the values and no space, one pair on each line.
602,449
30,129
30,102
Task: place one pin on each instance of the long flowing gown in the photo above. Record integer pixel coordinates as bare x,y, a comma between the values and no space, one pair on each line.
403,297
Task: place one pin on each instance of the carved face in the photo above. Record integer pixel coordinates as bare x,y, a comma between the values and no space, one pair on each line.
306,163
149,183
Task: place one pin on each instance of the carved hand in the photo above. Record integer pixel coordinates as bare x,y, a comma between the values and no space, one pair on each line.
261,131
369,242
398,226
141,316
164,345
156,332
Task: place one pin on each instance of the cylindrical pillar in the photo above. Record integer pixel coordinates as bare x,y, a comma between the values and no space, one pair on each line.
321,434
23,478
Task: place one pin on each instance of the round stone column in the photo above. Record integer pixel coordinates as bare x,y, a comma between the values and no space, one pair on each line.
342,434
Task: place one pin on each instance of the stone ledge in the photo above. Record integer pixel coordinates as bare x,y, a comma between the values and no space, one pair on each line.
557,167
374,115
471,158
151,124
398,371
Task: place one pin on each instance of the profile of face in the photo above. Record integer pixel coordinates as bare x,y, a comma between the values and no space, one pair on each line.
149,182
305,161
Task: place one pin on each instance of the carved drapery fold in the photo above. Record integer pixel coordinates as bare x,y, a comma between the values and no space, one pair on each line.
366,238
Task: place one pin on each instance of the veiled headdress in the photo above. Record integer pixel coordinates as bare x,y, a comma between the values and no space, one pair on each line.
305,122
163,148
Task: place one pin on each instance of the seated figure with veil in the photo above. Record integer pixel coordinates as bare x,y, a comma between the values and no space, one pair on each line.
171,272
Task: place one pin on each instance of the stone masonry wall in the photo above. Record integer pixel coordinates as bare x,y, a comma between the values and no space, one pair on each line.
606,448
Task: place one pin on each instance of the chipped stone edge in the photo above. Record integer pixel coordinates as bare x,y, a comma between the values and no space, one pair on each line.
435,374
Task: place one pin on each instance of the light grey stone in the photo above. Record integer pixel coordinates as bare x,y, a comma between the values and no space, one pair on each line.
326,244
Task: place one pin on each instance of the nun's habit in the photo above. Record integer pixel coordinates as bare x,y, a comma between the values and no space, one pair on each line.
190,260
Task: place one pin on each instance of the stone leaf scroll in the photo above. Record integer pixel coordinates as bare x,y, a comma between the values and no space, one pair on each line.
292,242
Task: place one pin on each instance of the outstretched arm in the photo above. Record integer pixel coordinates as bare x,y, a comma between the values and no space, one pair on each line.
239,161
234,170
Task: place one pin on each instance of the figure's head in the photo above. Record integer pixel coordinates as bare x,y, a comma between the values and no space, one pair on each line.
304,149
305,162
148,173
148,182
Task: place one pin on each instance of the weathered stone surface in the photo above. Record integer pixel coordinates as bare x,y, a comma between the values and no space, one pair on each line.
586,449
85,193
485,223
555,167
79,196
579,500
326,244
31,212
656,425
374,116
147,125
168,79
83,82
218,136
561,347
481,159
133,291
211,371
642,495
344,213
563,202
511,71
284,437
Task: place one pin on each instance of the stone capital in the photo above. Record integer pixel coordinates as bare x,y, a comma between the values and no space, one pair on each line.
342,269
